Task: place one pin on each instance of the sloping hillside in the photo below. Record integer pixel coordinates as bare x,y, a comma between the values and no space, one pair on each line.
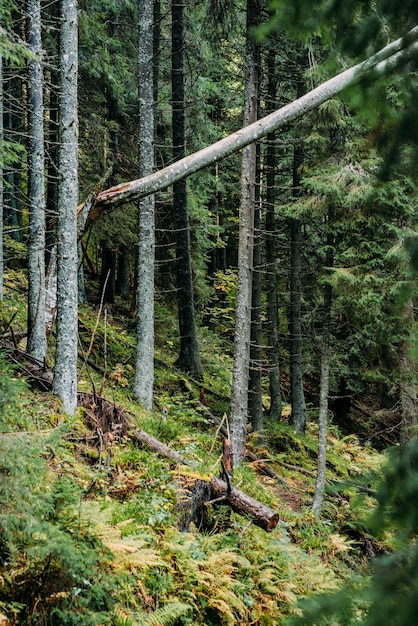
90,515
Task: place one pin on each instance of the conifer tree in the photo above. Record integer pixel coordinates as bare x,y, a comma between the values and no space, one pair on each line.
1,181
272,312
36,188
239,396
65,371
144,368
189,357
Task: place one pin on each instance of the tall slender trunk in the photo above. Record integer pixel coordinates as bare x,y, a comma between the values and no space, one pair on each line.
255,402
65,372
123,274
409,395
13,132
239,397
1,185
189,357
272,331
382,63
297,395
108,273
144,366
323,392
156,57
52,165
36,345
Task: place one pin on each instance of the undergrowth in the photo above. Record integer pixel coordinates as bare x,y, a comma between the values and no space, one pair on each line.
88,532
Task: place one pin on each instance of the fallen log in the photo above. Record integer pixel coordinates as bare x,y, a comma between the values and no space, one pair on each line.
153,444
219,490
240,502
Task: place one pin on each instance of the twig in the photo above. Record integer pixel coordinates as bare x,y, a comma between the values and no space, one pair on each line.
217,433
98,318
104,352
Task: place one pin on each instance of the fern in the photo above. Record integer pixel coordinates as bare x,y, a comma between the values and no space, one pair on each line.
168,614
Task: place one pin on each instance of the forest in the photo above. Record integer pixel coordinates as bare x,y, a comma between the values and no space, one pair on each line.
208,345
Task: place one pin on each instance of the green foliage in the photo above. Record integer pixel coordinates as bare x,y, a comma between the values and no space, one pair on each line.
392,589
13,50
223,307
53,568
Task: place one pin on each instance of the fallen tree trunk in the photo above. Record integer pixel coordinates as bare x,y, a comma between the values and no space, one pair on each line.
261,515
119,421
153,444
386,60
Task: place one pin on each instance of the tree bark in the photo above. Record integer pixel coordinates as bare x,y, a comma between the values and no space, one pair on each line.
13,131
323,399
123,273
189,357
409,396
386,60
261,515
36,345
239,396
65,371
144,365
297,396
52,161
275,410
1,185
108,273
255,401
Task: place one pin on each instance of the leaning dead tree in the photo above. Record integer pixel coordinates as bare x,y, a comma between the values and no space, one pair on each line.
387,60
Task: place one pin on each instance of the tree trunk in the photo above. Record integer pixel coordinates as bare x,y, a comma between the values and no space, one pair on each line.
81,287
409,397
387,60
189,357
156,57
122,284
255,401
108,274
36,345
323,396
1,185
52,164
65,372
275,410
297,396
144,365
261,515
13,132
239,397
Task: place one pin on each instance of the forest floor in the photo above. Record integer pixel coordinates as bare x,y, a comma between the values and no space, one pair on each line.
90,516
